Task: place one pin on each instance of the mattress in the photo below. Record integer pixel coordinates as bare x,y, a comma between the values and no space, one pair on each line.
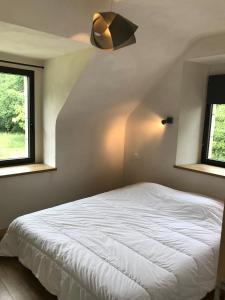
141,242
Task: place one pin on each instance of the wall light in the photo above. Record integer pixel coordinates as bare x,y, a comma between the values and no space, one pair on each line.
168,120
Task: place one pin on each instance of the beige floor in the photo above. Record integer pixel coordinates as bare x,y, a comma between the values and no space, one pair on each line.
18,283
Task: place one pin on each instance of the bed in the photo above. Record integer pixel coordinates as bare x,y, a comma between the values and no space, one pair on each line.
140,242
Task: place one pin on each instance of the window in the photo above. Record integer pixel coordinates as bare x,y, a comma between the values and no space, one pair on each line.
213,151
16,116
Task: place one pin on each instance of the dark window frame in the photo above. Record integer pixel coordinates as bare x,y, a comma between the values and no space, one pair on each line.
206,139
31,117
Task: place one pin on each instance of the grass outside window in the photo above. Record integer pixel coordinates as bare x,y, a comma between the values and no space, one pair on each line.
12,145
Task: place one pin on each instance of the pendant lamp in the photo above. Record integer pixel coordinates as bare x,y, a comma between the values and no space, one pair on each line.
112,31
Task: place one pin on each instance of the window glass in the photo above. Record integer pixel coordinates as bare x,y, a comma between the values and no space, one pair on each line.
13,116
17,133
217,134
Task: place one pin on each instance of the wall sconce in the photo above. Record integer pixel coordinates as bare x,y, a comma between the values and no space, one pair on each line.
168,120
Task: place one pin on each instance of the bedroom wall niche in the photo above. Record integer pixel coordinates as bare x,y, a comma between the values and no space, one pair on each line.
181,94
38,94
192,106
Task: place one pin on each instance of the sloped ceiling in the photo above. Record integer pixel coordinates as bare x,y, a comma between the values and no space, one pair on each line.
166,27
23,41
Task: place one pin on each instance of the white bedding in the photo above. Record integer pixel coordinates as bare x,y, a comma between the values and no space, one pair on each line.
140,242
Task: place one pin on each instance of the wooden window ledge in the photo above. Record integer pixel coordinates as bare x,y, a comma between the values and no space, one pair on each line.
24,169
205,169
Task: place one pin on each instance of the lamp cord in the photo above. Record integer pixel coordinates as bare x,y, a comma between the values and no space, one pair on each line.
111,4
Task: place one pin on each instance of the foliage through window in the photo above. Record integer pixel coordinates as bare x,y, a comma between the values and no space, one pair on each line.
217,133
16,116
214,132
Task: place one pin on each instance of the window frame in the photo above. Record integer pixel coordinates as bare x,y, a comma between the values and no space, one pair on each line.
31,117
206,139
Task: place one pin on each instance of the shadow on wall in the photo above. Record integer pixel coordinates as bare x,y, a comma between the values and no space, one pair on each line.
60,75
149,155
89,140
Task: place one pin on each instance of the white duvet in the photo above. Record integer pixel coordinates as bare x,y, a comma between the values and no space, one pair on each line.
140,242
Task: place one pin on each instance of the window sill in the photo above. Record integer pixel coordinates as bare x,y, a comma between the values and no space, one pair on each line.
24,169
205,169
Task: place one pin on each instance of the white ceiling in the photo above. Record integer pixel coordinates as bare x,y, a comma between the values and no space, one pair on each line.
30,43
166,29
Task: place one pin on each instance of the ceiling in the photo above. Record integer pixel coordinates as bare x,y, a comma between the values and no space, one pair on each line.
166,29
30,43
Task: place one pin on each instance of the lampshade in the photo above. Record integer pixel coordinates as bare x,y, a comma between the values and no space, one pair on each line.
112,31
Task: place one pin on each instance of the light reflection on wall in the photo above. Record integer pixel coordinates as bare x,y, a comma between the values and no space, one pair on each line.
152,128
115,135
114,141
145,132
81,37
149,130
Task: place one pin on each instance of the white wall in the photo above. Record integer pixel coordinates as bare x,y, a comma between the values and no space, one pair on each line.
192,112
60,76
151,148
